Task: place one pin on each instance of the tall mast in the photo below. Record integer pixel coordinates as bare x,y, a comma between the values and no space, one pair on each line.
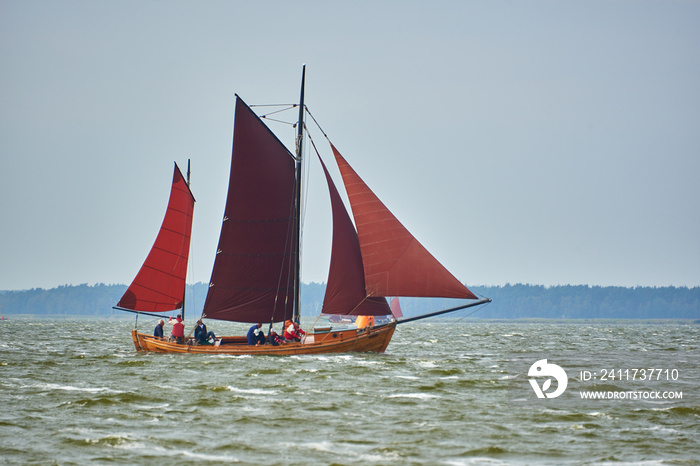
184,292
297,247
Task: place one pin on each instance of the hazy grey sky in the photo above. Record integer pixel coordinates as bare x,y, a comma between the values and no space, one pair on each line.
540,142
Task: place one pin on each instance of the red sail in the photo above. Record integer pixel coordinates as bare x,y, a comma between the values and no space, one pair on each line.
396,308
345,291
252,278
395,263
160,284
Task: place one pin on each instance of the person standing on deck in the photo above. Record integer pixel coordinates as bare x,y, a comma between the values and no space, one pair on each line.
179,330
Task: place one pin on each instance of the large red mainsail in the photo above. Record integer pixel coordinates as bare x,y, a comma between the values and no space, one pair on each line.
252,278
395,263
160,284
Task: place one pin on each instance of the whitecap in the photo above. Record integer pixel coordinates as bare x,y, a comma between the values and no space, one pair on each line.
233,356
176,453
368,363
319,446
374,458
666,430
421,396
474,460
202,456
636,463
157,407
53,386
252,391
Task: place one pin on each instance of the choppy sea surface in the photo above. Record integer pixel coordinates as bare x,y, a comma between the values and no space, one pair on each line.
452,393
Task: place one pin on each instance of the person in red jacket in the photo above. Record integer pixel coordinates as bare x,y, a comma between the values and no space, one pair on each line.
179,330
292,331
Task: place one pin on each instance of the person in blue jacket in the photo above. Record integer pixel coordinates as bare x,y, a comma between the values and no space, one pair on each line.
158,331
255,335
201,335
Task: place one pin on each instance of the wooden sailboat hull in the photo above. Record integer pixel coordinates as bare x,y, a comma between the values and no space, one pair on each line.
361,341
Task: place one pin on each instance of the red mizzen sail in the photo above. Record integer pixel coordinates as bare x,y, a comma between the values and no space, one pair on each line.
345,291
252,278
160,284
395,263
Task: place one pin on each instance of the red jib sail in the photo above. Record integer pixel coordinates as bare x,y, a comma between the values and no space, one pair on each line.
160,284
395,263
345,291
252,278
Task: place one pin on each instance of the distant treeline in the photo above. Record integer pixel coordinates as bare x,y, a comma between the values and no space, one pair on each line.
509,302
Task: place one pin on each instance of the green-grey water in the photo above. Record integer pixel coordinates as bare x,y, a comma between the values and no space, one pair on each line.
76,392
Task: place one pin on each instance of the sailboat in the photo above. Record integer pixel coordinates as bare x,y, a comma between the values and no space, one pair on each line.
256,273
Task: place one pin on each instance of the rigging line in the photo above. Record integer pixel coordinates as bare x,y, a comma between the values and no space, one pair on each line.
314,324
288,238
308,181
317,124
266,116
117,308
279,121
276,111
357,306
301,220
311,140
275,105
473,312
477,294
313,144
289,266
304,201
299,230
